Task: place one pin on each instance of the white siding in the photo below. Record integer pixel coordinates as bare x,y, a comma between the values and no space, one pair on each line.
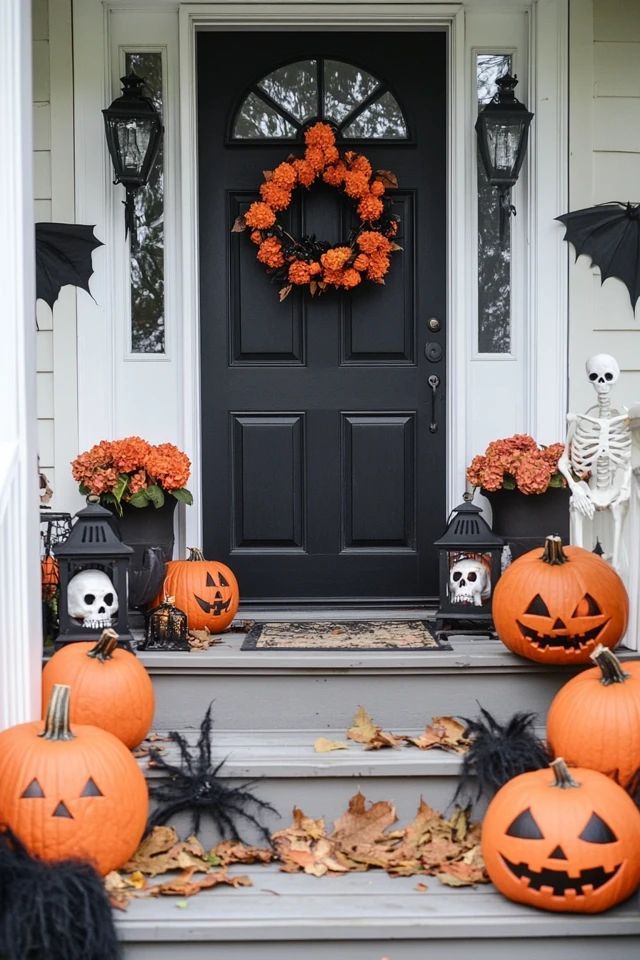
604,166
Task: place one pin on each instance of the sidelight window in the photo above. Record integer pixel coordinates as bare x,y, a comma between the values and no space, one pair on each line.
279,105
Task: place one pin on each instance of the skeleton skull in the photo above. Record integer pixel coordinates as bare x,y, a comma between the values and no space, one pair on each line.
92,599
603,371
469,582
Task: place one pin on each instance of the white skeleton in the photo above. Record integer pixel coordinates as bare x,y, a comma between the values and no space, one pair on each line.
469,582
598,450
92,599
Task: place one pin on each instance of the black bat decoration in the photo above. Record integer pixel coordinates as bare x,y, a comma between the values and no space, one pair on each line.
609,233
56,910
498,753
196,786
63,255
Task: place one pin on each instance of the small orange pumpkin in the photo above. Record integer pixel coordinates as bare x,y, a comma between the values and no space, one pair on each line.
594,720
206,590
558,605
563,841
71,792
50,576
111,688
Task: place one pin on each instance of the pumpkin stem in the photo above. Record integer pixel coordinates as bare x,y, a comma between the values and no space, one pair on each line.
56,723
553,552
195,553
105,646
610,666
564,780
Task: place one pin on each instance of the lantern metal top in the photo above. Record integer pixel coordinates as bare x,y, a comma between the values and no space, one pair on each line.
468,530
134,112
503,111
92,536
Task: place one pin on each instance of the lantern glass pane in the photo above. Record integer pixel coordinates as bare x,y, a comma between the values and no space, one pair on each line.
133,139
494,254
147,256
503,139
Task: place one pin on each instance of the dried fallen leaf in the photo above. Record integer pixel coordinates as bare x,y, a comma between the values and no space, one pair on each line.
421,887
285,291
239,225
203,639
445,733
304,846
322,745
363,730
387,177
232,851
267,174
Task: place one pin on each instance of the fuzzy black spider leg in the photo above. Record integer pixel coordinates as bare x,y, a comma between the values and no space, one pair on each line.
264,833
204,741
162,815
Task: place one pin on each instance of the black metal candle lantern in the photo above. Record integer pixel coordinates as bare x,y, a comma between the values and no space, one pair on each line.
470,565
167,628
134,132
93,579
503,130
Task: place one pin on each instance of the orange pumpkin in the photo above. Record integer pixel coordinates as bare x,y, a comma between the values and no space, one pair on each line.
563,841
594,720
50,576
111,688
206,590
558,605
71,792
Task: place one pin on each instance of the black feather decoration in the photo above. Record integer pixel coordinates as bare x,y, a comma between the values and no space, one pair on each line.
57,910
498,753
197,787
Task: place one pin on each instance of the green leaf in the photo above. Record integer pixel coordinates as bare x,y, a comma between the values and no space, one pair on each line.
182,904
108,498
155,495
139,499
557,480
84,489
183,495
508,482
121,486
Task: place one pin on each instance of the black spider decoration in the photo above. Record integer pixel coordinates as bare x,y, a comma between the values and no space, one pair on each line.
499,752
197,786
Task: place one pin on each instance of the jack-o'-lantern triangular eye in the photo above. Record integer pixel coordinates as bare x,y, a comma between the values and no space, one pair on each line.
223,582
588,607
210,581
597,831
91,789
33,790
525,827
538,607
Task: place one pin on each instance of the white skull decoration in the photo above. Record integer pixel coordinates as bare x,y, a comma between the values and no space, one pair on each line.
92,599
603,371
469,582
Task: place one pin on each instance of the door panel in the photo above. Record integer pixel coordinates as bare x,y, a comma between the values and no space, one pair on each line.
321,479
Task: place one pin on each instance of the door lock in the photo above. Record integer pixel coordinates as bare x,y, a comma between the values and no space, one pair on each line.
434,383
433,352
434,324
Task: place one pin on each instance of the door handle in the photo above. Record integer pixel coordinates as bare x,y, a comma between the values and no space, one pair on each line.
434,383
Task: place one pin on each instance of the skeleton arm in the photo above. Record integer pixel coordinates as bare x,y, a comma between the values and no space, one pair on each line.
580,493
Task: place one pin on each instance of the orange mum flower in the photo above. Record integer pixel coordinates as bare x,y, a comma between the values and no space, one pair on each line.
350,278
320,135
356,184
334,175
284,176
336,258
377,188
315,156
299,272
260,215
378,267
331,154
361,262
270,253
305,171
333,277
370,208
372,241
314,268
255,236
276,197
362,165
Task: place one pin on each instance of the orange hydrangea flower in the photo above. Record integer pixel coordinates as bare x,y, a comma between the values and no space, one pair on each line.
284,176
370,208
336,258
315,268
168,466
299,272
372,241
356,184
331,154
315,156
270,253
305,171
362,165
334,175
276,197
320,135
377,188
350,278
260,215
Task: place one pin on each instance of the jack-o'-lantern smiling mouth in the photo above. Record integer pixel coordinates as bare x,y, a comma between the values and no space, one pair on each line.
559,880
575,633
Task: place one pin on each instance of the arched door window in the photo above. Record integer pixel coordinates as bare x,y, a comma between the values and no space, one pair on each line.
281,104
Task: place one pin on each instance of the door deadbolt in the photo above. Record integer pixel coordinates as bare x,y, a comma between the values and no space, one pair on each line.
433,352
434,324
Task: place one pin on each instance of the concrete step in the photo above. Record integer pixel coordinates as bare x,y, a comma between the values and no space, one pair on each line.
291,773
367,916
296,690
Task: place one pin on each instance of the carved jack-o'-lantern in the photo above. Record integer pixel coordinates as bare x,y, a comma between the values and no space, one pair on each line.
206,590
563,841
558,605
71,791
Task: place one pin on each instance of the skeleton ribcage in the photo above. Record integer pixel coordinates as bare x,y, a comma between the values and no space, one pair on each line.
600,447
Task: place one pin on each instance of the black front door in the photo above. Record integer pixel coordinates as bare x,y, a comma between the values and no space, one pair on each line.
323,458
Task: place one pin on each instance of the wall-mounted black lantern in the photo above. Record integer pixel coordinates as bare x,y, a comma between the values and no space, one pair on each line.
93,579
134,132
503,131
470,555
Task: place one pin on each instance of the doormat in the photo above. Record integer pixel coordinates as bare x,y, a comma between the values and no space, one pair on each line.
344,635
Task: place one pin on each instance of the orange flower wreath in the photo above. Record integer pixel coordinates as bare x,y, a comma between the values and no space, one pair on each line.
315,263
